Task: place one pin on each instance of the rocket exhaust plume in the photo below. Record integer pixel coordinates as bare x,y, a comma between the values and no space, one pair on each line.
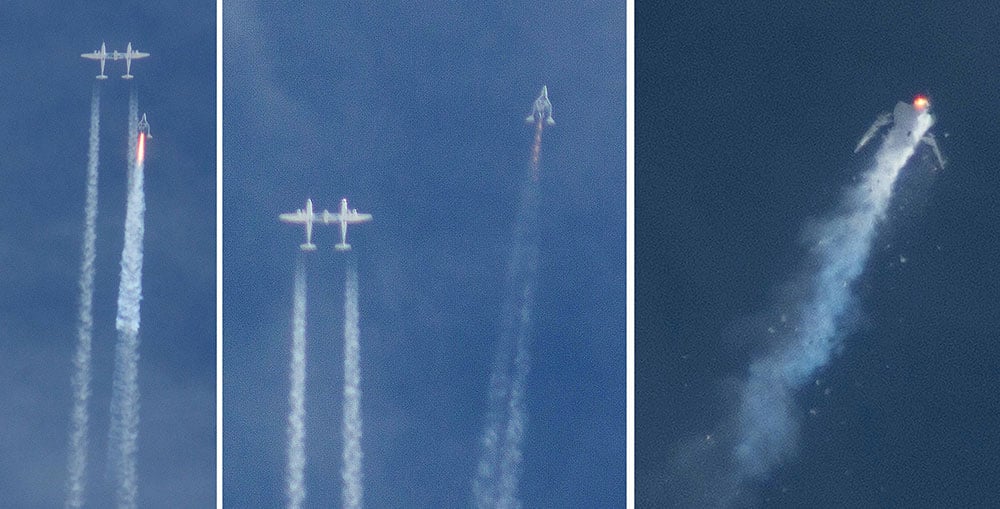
124,430
761,432
495,484
141,148
78,438
351,428
536,150
296,430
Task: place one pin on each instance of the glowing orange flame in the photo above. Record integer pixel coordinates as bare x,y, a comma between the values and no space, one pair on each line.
141,150
921,103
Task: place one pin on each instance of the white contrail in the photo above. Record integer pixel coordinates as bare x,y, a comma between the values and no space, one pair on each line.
351,428
764,428
296,430
124,430
495,484
78,439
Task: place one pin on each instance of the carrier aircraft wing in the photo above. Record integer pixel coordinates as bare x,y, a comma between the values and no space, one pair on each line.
102,56
305,217
344,217
129,56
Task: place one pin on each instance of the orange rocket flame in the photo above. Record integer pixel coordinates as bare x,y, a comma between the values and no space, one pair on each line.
536,150
921,103
141,149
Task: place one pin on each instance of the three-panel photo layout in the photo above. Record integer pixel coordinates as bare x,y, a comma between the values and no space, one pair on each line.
495,255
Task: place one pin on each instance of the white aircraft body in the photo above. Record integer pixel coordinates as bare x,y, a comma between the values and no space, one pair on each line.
344,217
129,55
541,109
102,55
932,143
883,120
144,127
305,217
903,117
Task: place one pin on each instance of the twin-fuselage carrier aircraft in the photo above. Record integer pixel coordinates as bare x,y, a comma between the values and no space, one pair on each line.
307,217
103,55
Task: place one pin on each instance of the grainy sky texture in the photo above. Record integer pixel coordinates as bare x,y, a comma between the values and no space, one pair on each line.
45,96
747,118
415,113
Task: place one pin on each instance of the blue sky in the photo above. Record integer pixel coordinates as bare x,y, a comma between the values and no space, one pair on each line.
414,113
45,96
746,122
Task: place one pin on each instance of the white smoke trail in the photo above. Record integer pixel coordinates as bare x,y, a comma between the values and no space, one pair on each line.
484,484
124,430
351,428
498,473
765,426
510,460
78,439
296,430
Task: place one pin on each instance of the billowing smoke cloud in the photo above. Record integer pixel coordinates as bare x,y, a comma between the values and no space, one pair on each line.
78,438
124,431
498,473
762,431
351,429
295,475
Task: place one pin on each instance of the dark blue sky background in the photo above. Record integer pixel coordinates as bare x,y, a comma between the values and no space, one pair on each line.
415,113
746,122
45,98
